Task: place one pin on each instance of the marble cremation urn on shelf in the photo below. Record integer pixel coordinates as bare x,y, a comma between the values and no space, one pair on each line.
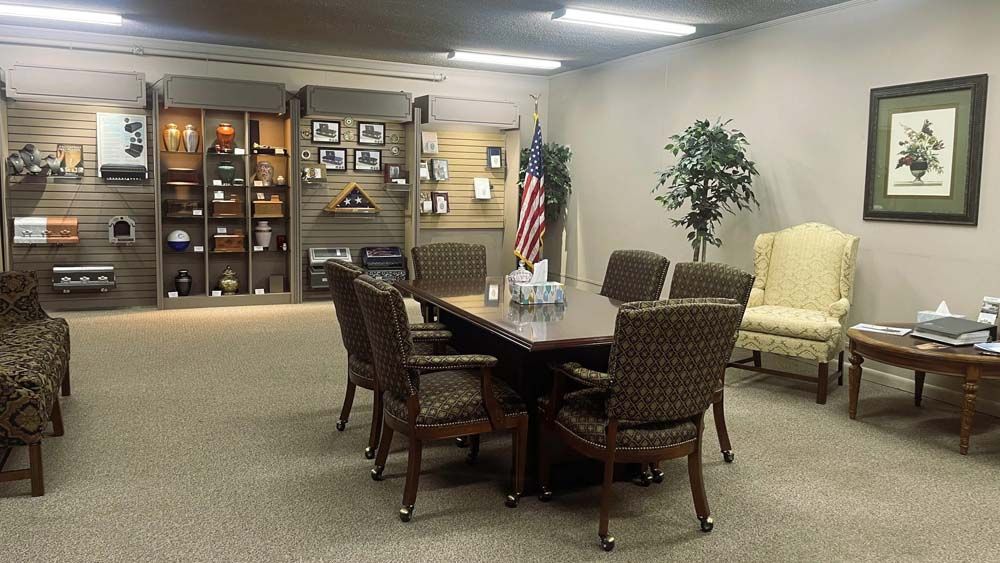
262,234
171,137
191,138
229,283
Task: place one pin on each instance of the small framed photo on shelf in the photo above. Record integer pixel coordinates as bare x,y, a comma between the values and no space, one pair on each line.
367,160
494,157
312,174
440,201
439,169
326,132
333,159
371,133
426,205
395,174
429,142
425,171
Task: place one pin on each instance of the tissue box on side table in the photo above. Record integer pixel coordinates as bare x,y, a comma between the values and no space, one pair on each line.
538,293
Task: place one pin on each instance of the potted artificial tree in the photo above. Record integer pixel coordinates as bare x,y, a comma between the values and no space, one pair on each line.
713,175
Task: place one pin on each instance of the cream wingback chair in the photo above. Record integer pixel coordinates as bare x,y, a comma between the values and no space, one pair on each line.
799,302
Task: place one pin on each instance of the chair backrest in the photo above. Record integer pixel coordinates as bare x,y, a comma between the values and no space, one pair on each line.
808,266
388,329
635,275
667,356
19,298
449,260
341,276
710,279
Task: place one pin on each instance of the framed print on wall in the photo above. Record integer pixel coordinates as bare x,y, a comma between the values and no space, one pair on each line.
326,132
333,159
925,151
371,133
367,160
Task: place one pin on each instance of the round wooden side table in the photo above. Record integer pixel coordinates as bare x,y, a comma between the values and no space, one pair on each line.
901,351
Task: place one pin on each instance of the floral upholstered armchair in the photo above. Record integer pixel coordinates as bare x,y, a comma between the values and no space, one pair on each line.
800,300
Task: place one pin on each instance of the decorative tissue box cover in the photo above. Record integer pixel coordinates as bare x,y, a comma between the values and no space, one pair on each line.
536,293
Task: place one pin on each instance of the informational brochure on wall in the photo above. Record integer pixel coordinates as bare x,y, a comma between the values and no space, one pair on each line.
988,311
482,188
121,139
895,331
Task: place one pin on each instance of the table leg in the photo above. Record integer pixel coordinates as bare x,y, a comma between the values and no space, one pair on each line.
918,387
968,409
854,375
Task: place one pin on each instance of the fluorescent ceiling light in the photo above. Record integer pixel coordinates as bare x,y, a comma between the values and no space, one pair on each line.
613,21
503,60
43,13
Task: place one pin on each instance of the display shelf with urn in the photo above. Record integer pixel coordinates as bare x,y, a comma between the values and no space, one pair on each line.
241,157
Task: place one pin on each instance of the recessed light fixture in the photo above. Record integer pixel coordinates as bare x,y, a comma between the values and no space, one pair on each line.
59,14
614,21
503,60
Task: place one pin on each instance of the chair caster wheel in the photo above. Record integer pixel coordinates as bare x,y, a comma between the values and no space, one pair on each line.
369,453
545,495
608,543
643,479
657,476
462,442
472,458
706,524
377,473
512,500
406,513
341,424
728,456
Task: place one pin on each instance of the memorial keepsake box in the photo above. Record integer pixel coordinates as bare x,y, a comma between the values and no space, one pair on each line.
538,293
230,242
268,207
231,207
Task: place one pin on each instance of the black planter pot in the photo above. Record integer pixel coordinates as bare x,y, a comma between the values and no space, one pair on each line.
182,283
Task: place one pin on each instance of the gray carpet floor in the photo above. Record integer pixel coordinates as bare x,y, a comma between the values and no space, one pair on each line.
209,436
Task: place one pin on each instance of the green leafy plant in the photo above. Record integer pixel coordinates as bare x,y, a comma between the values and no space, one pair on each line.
920,146
558,184
713,175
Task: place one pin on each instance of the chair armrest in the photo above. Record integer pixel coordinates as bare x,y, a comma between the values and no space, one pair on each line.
840,308
756,297
419,327
431,336
588,377
458,361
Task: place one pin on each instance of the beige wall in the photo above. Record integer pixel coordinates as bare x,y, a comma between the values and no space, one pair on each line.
799,89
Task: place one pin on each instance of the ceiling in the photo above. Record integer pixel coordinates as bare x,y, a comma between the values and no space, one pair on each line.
422,32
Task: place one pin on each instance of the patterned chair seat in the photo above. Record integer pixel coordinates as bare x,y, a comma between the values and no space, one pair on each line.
365,371
455,397
806,324
584,413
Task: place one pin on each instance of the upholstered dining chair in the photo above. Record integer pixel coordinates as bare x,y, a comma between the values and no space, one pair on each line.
429,338
447,261
800,300
711,279
635,275
662,373
434,397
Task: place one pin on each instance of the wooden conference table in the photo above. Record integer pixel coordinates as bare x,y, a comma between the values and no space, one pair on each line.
901,351
525,338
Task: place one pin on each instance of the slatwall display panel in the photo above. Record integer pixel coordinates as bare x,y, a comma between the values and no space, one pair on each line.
90,200
465,152
323,229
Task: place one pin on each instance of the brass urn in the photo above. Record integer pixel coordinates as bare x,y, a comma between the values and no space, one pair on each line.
229,283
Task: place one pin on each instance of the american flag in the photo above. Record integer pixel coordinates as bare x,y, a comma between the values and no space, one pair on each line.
531,223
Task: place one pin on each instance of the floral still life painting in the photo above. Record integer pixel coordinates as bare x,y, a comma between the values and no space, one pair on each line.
925,140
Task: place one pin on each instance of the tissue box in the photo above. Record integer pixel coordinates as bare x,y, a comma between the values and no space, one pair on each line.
537,293
924,316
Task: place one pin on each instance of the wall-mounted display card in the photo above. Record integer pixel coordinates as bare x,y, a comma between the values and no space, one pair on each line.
69,161
481,186
426,205
439,169
326,132
371,133
395,174
988,311
367,160
333,159
494,157
121,139
429,142
440,201
425,171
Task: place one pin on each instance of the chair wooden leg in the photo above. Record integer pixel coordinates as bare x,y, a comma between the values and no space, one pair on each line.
373,435
823,383
383,452
56,417
606,539
756,359
840,369
719,414
65,383
345,411
473,443
519,446
544,469
698,489
412,479
37,474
